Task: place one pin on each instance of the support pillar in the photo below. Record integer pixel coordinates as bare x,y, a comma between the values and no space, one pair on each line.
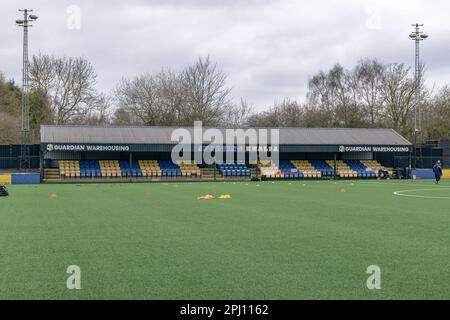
334,167
131,165
41,163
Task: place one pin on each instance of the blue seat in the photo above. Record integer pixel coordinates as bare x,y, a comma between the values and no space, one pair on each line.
323,167
233,169
88,168
361,170
127,170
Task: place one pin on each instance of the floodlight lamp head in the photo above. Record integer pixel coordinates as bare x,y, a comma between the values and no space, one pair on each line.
424,36
19,22
33,17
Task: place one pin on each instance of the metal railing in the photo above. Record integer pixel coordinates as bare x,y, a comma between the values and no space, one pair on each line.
421,162
13,163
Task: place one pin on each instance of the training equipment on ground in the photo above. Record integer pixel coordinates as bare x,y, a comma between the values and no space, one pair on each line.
206,197
3,191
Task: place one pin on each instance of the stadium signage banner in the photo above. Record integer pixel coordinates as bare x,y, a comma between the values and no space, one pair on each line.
262,148
87,147
210,148
373,149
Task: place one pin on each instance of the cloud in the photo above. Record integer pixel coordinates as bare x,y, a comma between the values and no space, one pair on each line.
268,48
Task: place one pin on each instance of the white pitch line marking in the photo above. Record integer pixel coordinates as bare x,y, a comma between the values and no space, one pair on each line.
402,193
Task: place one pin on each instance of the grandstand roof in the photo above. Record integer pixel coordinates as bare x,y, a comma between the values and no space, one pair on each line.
162,135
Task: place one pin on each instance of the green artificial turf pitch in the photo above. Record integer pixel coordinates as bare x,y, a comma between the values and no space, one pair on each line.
271,240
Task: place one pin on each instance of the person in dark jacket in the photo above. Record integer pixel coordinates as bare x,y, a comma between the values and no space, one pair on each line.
437,169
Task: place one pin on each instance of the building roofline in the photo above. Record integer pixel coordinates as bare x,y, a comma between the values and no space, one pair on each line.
289,135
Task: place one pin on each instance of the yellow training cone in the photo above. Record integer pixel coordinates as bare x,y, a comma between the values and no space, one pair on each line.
207,197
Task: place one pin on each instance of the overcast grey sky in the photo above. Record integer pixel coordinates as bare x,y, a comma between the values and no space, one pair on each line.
269,48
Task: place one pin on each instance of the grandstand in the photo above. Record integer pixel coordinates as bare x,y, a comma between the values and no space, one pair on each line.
80,153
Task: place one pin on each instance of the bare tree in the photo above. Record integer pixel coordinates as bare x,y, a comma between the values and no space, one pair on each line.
40,113
436,115
398,97
198,93
68,84
368,76
370,95
315,117
170,99
99,114
121,117
10,128
288,113
10,106
321,97
267,119
238,115
10,97
149,100
137,98
206,96
335,93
